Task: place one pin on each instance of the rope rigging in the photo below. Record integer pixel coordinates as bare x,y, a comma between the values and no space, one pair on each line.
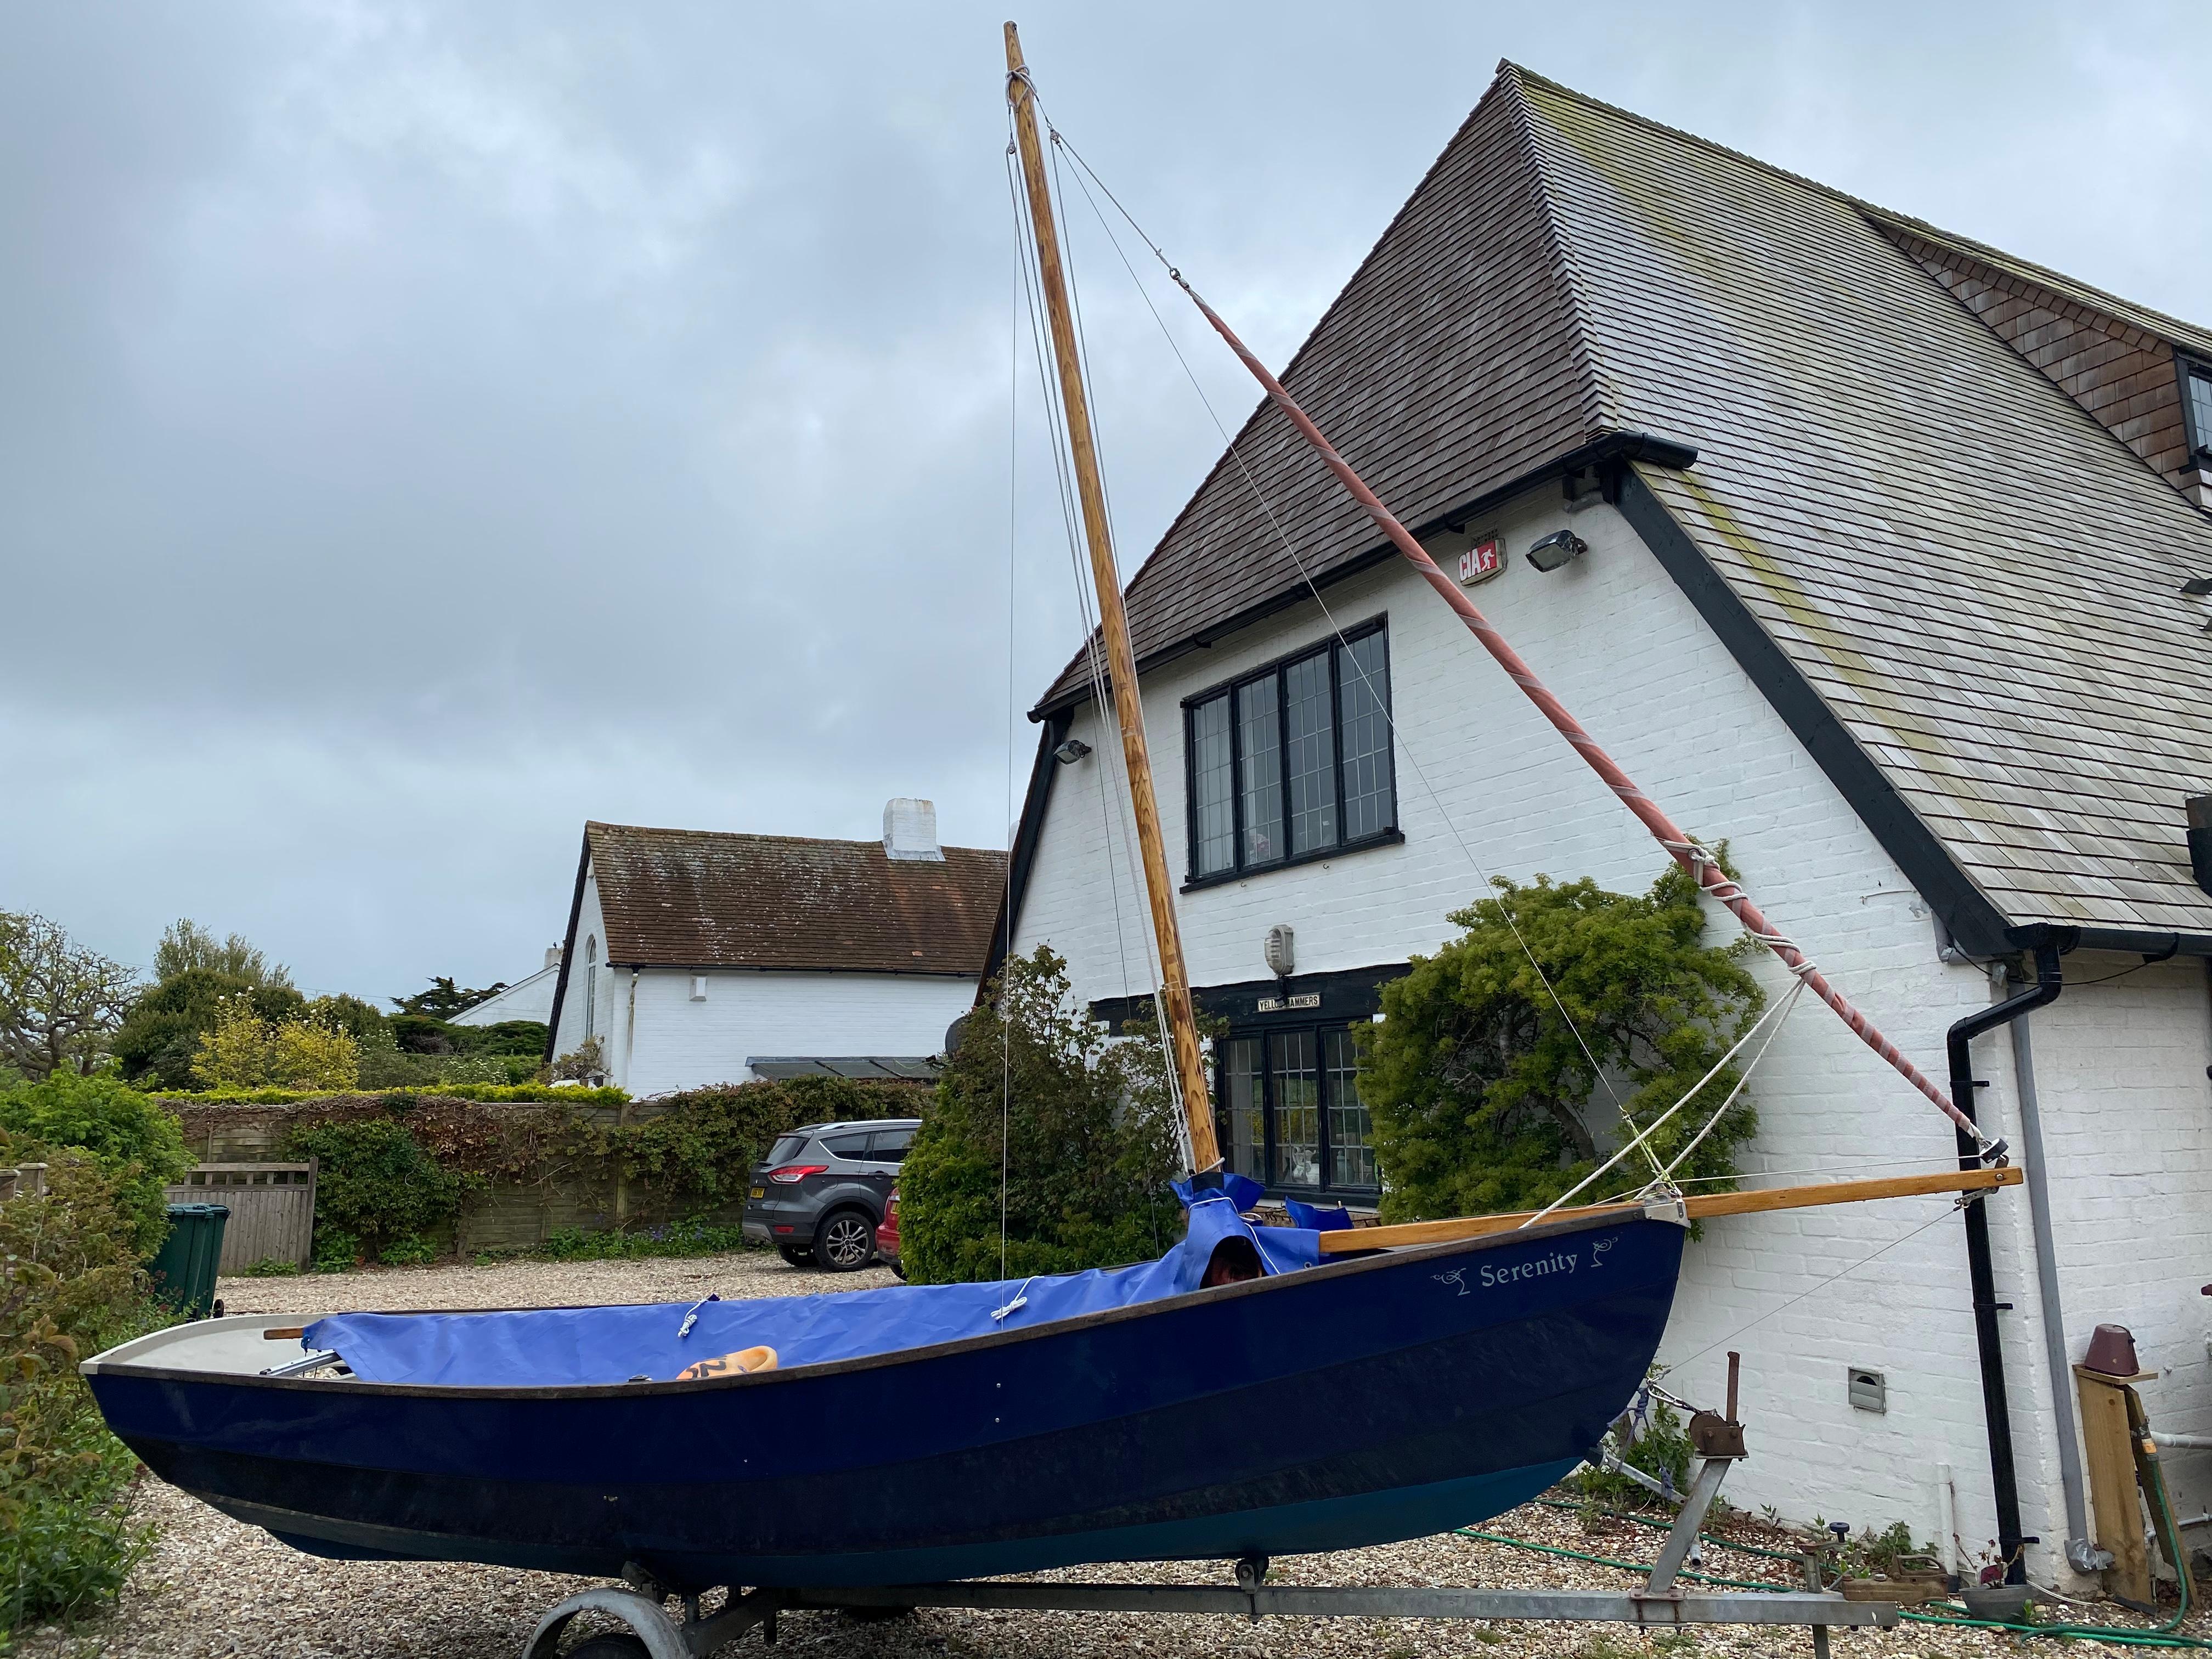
1702,866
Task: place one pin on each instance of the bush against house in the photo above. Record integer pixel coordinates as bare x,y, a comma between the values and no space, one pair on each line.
136,1141
1484,1099
1083,1126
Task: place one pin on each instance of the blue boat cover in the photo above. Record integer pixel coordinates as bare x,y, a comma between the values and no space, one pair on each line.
559,1347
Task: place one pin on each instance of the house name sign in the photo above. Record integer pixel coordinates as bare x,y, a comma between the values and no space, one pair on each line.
1277,1004
1481,561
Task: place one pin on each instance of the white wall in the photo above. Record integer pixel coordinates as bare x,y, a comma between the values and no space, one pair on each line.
1614,635
2126,1106
683,1044
591,939
526,999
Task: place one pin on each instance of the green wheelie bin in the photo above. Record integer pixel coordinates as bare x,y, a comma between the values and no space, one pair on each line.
183,1269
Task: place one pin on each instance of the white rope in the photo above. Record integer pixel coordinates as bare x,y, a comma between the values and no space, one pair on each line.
1682,1157
1773,1012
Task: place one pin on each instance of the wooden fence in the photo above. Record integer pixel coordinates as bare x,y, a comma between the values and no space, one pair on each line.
272,1209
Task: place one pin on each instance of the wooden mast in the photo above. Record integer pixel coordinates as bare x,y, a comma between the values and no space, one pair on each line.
1121,659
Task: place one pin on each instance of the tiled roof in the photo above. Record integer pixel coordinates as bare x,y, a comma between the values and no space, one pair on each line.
1979,579
696,898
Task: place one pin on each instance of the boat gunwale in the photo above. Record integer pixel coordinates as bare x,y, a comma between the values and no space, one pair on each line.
1347,1267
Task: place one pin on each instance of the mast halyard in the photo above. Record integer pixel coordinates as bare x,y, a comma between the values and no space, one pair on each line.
1121,658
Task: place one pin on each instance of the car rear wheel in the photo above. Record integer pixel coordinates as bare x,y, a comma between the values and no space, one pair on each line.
793,1255
845,1240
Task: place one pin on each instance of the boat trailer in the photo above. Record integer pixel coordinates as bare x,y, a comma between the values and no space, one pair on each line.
1659,1604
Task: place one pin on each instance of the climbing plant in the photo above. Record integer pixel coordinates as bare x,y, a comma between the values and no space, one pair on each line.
1486,1099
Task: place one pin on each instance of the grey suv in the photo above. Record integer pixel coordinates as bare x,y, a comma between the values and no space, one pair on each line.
821,1192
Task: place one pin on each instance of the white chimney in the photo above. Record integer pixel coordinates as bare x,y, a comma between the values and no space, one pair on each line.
552,955
910,831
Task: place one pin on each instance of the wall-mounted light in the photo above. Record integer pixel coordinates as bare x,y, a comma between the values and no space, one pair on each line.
1280,950
1557,550
1071,752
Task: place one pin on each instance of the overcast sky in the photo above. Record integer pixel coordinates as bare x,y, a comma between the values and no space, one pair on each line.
423,429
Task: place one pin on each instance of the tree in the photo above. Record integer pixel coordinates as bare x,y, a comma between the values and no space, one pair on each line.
161,1034
1086,1136
59,1002
185,945
1483,1094
444,1000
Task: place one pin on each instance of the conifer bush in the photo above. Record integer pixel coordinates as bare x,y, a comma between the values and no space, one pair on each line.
1087,1134
1485,1100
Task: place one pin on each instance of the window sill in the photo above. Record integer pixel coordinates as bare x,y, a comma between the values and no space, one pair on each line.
1391,837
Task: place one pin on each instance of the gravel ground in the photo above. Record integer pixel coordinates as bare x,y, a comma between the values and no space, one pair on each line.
215,1587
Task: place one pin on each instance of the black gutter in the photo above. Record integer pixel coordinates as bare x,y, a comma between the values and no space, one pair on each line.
1021,857
1989,1346
1608,454
567,949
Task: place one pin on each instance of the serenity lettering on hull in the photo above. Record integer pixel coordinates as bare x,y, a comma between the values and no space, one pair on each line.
1558,1261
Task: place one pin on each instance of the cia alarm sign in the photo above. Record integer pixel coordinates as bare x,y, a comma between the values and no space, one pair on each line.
1481,561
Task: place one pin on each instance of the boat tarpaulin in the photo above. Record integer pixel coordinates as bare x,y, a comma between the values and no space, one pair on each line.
557,1347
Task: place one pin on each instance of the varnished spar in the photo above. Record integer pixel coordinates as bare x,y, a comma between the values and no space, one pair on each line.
1121,658
1707,1204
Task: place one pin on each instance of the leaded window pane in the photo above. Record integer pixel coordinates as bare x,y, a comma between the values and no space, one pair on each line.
1362,685
1259,739
1310,760
1297,1109
1351,1131
2200,409
1244,1137
1211,786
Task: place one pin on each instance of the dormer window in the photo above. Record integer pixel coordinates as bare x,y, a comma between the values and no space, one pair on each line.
2197,401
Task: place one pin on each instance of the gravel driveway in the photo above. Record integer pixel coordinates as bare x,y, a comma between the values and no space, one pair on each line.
215,1587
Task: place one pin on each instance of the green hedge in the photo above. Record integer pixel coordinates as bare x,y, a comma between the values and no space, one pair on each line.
487,1093
135,1139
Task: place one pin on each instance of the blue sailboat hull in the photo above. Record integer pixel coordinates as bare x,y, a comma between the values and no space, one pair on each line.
1370,1400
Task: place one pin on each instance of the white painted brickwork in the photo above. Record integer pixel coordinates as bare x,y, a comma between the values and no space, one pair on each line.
674,1043
1614,635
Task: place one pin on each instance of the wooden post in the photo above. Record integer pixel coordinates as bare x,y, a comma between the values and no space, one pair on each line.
2108,1447
1121,659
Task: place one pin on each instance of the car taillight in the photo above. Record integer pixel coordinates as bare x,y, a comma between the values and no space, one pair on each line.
890,1205
792,1174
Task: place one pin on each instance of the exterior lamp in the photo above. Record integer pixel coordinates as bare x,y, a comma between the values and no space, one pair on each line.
1556,550
1071,752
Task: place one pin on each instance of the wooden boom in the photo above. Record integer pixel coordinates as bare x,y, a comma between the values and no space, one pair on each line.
1707,1204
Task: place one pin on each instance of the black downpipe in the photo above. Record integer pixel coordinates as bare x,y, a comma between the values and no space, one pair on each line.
2004,1477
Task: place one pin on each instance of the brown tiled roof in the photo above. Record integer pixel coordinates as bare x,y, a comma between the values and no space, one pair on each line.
696,898
1979,580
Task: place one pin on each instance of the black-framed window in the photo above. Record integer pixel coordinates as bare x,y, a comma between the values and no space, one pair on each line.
1288,1111
2196,403
1292,761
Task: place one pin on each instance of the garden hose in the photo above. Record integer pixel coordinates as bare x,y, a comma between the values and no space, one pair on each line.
2160,1636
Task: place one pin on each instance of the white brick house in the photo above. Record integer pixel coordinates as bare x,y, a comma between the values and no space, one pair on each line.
1895,608
695,957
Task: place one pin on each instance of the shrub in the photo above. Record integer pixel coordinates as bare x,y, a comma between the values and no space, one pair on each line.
1482,1093
68,1288
161,1033
243,1050
1087,1141
376,1190
137,1140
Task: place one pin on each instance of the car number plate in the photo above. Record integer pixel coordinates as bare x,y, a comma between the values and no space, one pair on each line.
760,1191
